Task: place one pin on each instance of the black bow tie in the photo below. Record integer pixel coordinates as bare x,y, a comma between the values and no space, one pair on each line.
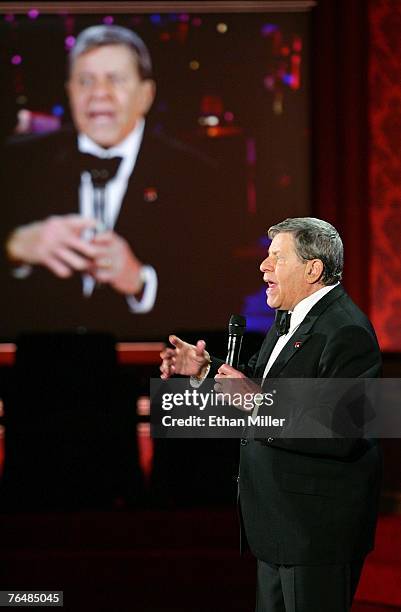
282,322
101,170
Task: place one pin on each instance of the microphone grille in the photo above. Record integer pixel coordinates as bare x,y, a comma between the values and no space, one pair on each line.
237,325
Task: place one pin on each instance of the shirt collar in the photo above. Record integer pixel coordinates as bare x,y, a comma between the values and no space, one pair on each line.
304,306
128,147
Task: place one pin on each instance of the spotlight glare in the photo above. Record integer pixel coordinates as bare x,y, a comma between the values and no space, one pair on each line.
222,28
33,13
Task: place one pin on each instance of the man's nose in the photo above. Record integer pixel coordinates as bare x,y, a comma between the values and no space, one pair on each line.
101,89
266,265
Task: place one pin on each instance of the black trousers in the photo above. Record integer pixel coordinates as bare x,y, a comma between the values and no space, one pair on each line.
307,588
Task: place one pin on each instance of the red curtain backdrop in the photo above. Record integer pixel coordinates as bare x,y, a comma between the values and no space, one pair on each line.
385,170
357,149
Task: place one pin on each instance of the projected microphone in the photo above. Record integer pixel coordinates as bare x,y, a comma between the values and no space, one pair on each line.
236,329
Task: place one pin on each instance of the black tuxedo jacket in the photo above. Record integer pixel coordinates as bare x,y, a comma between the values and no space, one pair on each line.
312,501
172,231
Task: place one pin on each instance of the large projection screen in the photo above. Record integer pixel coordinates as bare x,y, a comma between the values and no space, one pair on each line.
232,105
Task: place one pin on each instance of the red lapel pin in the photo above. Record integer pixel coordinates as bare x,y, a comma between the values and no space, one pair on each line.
297,344
150,194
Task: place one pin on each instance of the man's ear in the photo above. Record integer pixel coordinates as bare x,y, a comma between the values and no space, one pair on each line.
314,271
148,92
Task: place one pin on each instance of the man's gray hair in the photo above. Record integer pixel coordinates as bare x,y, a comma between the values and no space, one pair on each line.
101,35
315,239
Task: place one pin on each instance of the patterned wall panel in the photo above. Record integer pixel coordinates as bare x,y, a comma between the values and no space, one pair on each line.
385,170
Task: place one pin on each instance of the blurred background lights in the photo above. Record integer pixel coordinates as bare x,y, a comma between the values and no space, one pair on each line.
58,110
9,17
212,132
197,21
288,79
33,13
222,28
269,82
156,19
297,44
108,19
209,120
69,42
250,151
16,60
268,29
194,65
278,105
229,116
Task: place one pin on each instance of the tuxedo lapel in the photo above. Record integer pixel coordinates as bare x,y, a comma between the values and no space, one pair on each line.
295,344
160,196
143,199
66,176
299,339
265,352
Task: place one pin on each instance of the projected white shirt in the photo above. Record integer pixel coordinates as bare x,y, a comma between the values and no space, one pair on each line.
115,191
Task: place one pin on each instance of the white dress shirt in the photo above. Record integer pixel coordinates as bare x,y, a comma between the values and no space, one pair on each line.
297,316
115,191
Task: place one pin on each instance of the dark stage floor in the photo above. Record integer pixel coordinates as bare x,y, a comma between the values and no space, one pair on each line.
153,561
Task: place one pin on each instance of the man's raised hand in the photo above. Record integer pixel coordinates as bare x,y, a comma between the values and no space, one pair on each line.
185,359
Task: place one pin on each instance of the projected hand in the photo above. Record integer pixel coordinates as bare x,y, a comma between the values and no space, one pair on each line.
115,263
186,359
55,243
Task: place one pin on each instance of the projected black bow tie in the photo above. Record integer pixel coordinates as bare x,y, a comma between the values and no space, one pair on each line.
282,322
101,170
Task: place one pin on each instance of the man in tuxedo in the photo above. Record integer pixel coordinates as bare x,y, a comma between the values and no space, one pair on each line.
86,211
308,506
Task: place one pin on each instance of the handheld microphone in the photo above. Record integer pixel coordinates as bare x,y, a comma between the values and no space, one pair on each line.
236,329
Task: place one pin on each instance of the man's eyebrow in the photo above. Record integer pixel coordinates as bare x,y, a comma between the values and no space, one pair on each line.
88,72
